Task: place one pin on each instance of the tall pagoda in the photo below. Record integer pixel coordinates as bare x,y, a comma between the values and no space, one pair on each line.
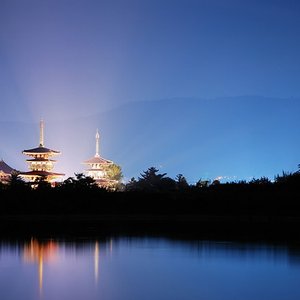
41,164
97,167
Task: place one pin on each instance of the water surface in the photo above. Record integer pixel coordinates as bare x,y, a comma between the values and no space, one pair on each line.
147,268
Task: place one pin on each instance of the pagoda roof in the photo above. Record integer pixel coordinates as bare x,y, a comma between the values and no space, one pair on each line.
41,159
41,173
98,160
40,150
5,168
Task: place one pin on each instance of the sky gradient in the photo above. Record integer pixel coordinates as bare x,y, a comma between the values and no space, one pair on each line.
67,60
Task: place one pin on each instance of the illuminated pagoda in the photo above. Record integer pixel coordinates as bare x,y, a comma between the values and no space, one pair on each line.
97,168
41,165
5,172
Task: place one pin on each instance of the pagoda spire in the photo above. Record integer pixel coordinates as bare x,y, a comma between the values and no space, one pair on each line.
41,133
97,144
40,165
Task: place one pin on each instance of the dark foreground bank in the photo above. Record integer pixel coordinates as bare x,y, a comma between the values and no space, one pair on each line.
257,210
242,228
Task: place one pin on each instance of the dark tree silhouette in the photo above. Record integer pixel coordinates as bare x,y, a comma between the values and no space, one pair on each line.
17,183
131,185
261,181
152,181
181,183
216,182
42,184
80,183
202,183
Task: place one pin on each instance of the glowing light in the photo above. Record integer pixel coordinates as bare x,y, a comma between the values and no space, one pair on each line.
96,261
36,252
111,246
41,164
41,273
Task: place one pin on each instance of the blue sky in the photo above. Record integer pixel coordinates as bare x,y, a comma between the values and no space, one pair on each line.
67,59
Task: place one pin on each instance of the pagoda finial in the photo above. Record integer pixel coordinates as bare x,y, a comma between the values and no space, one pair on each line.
41,133
97,143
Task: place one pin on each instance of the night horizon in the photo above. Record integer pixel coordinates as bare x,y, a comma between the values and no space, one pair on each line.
196,103
239,160
140,72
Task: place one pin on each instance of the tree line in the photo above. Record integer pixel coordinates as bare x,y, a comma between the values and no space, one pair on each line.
151,181
154,192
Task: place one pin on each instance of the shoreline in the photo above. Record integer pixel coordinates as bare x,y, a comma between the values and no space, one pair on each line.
185,226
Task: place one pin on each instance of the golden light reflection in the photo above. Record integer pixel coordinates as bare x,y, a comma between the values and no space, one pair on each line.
110,246
38,252
40,273
96,261
97,258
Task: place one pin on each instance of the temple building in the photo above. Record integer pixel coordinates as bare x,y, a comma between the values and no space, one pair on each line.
5,172
97,167
41,164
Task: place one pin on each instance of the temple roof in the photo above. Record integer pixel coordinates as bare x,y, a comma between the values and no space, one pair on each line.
98,160
41,159
5,168
41,173
42,150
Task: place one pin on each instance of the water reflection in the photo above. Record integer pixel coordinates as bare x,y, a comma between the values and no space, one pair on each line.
39,252
96,255
147,268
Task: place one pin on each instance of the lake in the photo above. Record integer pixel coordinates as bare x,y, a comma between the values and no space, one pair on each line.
128,268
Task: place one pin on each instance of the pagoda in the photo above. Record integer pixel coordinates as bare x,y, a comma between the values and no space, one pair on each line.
97,168
41,164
